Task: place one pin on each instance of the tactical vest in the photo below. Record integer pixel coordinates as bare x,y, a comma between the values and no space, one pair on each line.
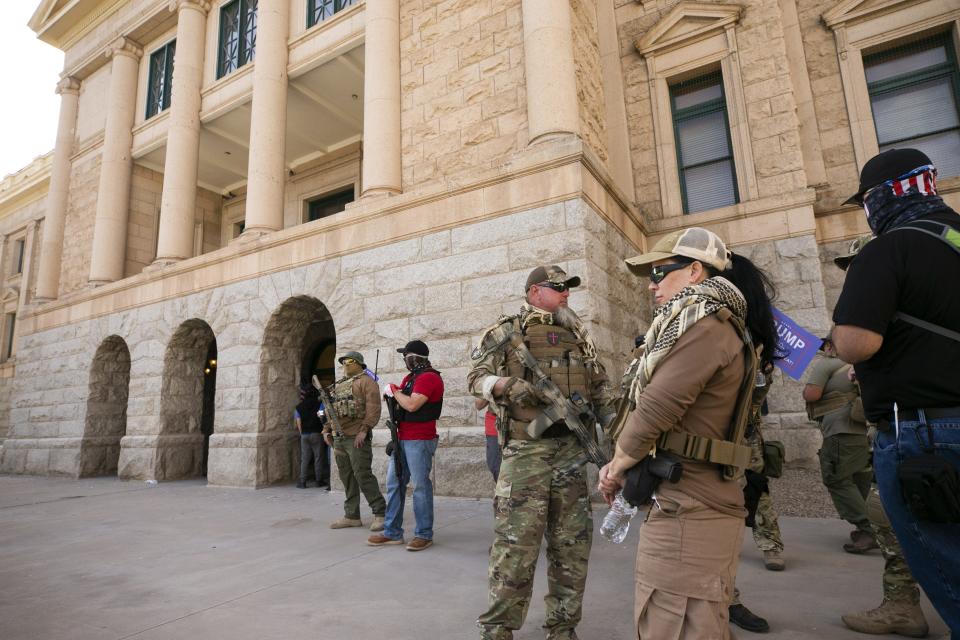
429,412
345,403
558,353
730,453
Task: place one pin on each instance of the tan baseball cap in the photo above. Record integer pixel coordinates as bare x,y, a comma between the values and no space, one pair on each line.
855,247
695,243
553,274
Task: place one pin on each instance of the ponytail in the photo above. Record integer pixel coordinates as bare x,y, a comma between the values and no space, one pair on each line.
759,292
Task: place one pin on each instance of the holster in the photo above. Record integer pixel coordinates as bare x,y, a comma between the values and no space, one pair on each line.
931,488
643,478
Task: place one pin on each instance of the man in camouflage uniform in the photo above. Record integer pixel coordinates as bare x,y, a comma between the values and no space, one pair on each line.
356,400
766,528
900,611
542,488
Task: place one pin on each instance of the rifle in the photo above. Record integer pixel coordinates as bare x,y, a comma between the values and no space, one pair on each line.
331,412
559,407
393,449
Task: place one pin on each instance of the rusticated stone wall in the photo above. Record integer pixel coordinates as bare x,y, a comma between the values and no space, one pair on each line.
445,288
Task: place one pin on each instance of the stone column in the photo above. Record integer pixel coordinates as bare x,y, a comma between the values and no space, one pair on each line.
267,171
552,106
116,165
179,198
51,247
28,254
381,99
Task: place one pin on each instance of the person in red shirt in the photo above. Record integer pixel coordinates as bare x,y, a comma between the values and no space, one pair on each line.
493,443
419,400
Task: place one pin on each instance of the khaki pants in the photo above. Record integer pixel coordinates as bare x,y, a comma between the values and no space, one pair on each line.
845,469
686,564
353,465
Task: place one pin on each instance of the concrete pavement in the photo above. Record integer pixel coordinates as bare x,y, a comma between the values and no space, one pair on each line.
106,559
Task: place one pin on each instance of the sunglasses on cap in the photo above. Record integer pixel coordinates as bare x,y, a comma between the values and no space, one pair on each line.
559,287
346,361
659,272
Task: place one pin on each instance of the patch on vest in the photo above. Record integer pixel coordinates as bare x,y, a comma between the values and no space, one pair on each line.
553,338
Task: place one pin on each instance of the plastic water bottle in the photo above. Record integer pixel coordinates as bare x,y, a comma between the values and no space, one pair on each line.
617,521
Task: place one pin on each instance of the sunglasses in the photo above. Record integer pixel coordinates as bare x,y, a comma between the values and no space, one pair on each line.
346,361
659,272
559,287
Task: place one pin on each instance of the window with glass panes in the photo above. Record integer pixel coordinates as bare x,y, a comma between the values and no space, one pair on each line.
914,94
329,204
11,322
161,78
19,249
320,10
704,156
238,35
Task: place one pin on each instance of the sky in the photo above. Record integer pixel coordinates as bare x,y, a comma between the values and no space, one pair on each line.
29,72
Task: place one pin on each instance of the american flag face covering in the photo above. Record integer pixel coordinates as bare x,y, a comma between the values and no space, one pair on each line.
920,181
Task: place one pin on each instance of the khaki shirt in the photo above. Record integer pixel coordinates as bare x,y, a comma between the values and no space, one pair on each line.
363,387
694,389
831,375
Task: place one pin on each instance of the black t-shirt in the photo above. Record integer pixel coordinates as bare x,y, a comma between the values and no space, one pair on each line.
910,272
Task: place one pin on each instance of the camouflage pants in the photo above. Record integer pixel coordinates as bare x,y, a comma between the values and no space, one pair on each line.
542,491
766,528
898,582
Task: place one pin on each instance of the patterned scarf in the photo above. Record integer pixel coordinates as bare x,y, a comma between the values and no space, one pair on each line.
678,314
894,203
530,314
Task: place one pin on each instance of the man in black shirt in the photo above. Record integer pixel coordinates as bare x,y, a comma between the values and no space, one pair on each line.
898,321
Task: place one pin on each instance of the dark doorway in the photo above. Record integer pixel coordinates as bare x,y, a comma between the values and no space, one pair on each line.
209,398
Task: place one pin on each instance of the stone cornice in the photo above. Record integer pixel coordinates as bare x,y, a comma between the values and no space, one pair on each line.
547,175
26,185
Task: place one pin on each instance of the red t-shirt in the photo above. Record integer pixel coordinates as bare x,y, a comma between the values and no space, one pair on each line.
490,424
430,385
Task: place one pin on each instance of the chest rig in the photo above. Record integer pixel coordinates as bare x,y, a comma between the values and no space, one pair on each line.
558,353
345,403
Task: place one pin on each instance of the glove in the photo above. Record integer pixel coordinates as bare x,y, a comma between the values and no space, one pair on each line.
523,394
389,448
388,390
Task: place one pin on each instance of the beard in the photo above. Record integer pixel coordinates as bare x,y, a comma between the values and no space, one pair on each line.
566,318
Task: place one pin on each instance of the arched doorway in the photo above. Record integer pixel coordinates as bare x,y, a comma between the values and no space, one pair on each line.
106,419
187,401
299,341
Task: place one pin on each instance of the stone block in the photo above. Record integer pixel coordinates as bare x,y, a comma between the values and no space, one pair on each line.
462,471
37,462
380,258
499,231
494,289
393,305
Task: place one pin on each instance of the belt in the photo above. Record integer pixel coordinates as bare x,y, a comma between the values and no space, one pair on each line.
913,415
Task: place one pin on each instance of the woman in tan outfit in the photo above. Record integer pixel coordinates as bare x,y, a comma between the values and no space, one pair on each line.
689,381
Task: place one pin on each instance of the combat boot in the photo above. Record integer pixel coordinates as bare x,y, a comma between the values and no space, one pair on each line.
863,541
748,620
902,618
345,522
377,524
773,561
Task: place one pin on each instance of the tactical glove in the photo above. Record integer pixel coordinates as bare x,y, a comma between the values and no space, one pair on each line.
522,394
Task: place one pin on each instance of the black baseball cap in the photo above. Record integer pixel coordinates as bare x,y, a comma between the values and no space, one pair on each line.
888,165
551,273
417,347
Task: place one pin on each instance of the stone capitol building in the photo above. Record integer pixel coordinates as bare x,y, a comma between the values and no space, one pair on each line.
242,189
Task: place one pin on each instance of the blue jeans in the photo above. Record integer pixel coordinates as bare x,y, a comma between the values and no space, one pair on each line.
417,459
932,550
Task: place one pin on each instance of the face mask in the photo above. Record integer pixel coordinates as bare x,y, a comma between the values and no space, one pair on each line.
413,361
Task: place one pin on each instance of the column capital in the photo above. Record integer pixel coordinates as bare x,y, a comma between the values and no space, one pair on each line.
68,84
202,6
124,47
